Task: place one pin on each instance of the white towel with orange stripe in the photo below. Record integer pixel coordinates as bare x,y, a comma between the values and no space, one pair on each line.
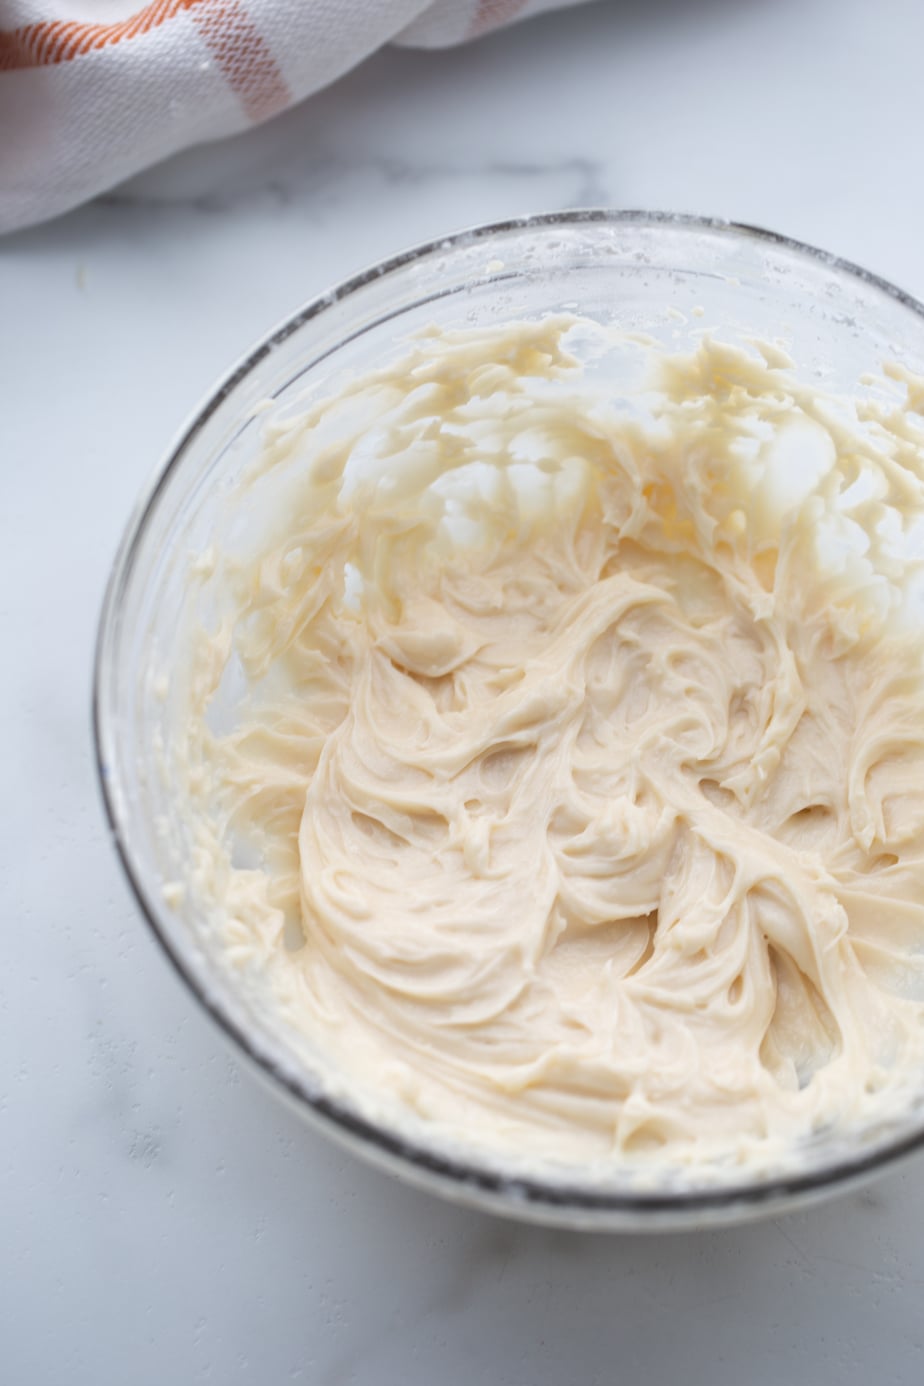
92,91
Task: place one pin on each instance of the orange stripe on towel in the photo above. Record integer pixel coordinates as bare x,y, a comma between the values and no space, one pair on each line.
237,46
244,57
490,13
55,41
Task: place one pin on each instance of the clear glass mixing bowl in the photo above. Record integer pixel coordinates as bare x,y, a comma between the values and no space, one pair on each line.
666,275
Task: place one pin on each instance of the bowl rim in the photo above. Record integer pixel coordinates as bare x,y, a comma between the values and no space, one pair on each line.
463,1178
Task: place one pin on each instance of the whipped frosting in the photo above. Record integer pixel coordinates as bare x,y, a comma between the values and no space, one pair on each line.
554,749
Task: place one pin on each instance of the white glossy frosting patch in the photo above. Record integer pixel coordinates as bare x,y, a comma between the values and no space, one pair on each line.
556,753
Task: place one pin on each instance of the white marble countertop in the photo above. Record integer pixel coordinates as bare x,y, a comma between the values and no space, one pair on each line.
164,1218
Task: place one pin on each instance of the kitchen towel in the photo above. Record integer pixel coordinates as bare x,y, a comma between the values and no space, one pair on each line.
92,91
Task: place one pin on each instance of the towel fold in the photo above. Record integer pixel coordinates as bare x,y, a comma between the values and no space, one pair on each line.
86,101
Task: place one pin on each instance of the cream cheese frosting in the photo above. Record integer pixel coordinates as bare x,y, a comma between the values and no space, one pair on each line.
554,747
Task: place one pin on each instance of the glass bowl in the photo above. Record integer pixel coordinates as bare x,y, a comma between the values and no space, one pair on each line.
665,275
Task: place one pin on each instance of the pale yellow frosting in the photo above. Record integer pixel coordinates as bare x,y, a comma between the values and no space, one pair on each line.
554,751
